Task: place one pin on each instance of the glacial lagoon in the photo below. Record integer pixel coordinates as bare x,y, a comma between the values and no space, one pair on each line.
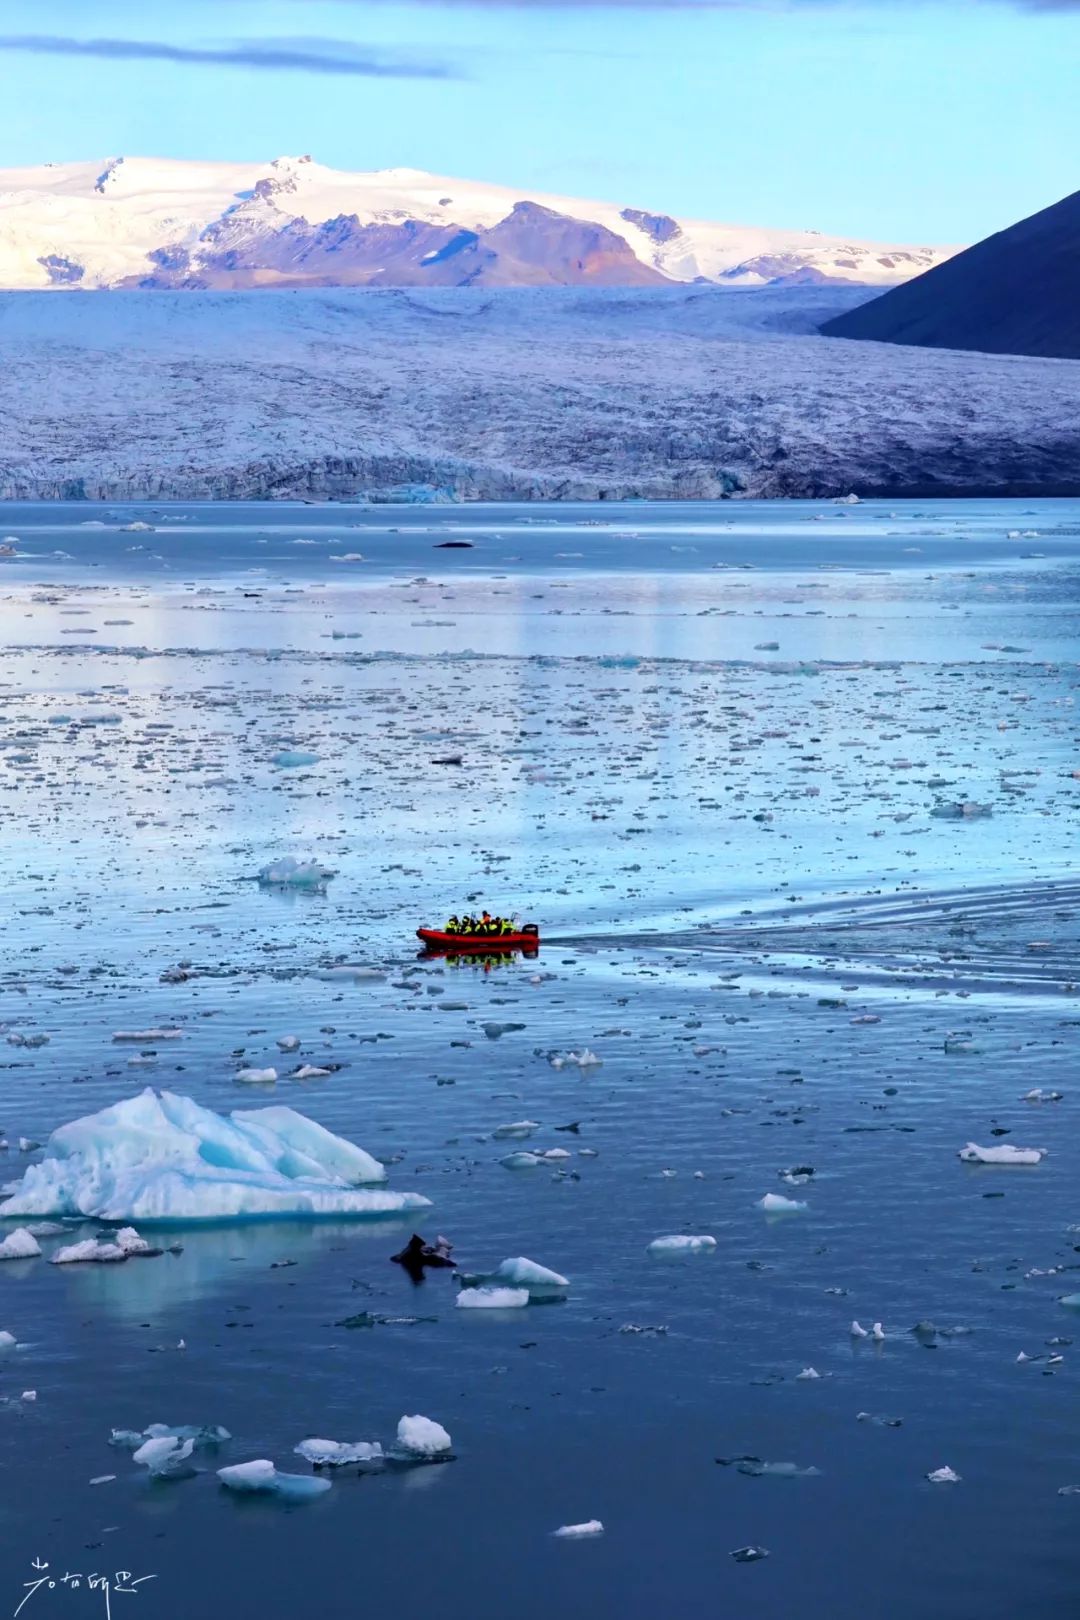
792,791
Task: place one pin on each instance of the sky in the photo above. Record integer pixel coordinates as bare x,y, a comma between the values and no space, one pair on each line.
906,121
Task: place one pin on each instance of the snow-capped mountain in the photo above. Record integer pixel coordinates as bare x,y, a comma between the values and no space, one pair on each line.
168,223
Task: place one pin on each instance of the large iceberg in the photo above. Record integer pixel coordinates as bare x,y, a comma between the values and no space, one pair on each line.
162,1157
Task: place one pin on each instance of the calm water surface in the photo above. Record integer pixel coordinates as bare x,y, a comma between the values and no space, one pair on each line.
700,745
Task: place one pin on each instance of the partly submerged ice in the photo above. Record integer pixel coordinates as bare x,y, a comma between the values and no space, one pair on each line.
261,1477
20,1244
164,1158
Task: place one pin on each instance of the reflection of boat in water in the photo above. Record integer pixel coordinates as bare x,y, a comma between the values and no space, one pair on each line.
438,941
475,958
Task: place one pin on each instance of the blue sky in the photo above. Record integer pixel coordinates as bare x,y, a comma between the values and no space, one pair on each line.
930,120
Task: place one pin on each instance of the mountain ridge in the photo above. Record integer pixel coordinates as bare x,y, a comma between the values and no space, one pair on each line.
150,223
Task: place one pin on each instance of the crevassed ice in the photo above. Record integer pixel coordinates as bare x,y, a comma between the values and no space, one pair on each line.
164,1158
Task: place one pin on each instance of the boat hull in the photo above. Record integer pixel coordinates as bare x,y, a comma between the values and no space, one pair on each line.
436,940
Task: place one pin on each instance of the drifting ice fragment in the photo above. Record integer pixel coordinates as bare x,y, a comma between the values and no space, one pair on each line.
289,758
289,872
521,1161
165,1456
164,1158
943,1476
1005,1154
254,1077
777,1204
337,1453
576,1532
19,1245
148,1036
422,1437
535,1279
681,1245
521,1127
262,1477
750,1555
7,1340
492,1299
88,1250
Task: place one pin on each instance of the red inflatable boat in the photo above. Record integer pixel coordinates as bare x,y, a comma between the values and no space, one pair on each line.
526,938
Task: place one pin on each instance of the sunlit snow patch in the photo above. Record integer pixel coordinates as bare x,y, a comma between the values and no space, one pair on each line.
164,1158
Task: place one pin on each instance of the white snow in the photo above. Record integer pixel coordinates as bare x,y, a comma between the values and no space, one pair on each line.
681,1245
336,1453
162,1157
18,1245
1004,1154
492,1299
422,1437
108,216
667,393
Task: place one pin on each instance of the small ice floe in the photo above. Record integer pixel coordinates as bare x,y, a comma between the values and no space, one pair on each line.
585,1059
288,1043
750,1555
165,1457
262,1478
492,1299
517,1129
961,810
346,556
807,1375
1003,1154
521,1161
310,1071
163,1157
538,1281
340,1453
39,1038
290,758
777,1204
200,1435
702,1244
1041,1096
126,1246
878,1420
420,1438
148,1036
797,1175
757,1468
256,1077
1071,1300
288,872
944,1476
19,1245
578,1532
7,1340
102,1479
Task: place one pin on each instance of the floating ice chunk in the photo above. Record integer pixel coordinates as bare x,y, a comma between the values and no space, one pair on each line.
577,1532
255,1077
681,1245
130,1242
423,1437
858,1331
262,1477
147,1036
536,1279
89,1250
18,1245
492,1299
164,1455
521,1161
288,1043
289,758
337,1453
585,1059
777,1204
7,1340
750,1555
943,1476
1005,1154
291,873
164,1158
807,1375
309,1071
519,1128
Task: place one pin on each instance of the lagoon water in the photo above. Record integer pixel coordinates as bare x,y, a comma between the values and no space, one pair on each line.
701,746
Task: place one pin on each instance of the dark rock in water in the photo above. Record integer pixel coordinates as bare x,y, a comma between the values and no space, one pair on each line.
454,545
450,759
417,1254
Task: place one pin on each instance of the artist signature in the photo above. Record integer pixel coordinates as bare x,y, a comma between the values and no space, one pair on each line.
120,1580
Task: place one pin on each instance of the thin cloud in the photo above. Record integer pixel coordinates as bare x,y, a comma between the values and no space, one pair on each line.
326,56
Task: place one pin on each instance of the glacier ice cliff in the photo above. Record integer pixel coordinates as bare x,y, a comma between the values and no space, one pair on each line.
692,392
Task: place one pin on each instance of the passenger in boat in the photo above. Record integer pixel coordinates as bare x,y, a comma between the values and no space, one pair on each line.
487,923
452,926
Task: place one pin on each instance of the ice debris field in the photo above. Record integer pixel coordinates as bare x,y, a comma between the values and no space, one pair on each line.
732,1238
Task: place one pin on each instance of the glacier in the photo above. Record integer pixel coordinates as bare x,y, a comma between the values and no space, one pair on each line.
550,393
160,1157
